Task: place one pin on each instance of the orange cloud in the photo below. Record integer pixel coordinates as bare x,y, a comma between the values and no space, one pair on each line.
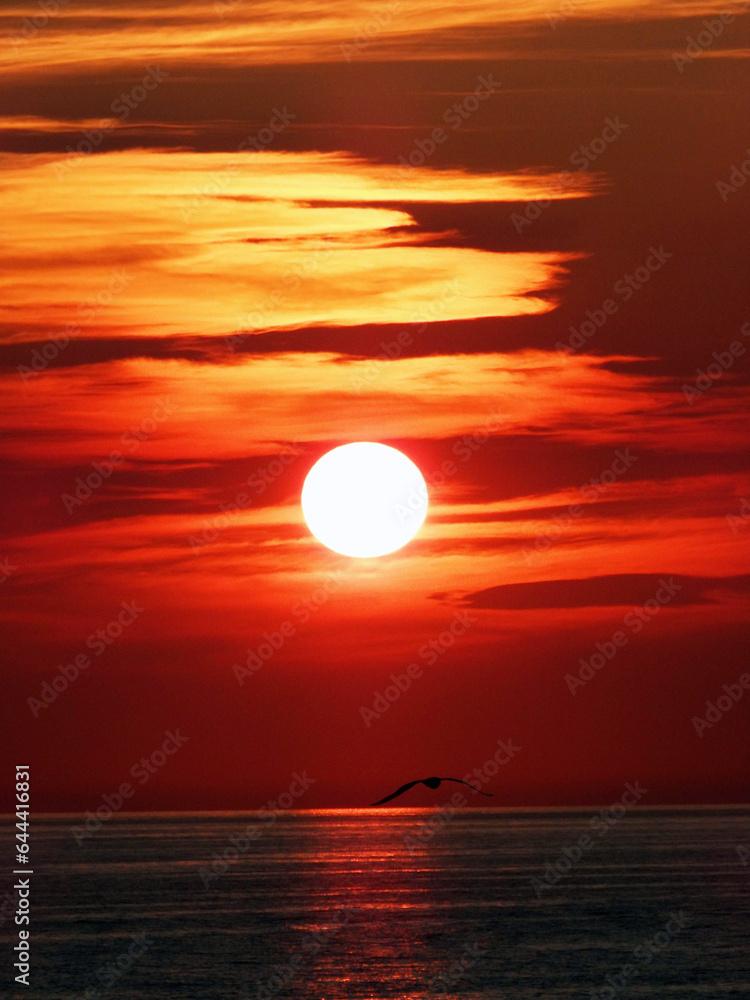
219,243
271,399
84,36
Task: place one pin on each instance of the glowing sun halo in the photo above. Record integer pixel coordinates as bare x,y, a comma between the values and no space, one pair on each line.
364,499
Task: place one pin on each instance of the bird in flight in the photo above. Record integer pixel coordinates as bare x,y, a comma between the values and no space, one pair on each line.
431,783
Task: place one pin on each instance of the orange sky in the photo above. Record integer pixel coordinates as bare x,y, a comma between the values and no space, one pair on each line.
305,232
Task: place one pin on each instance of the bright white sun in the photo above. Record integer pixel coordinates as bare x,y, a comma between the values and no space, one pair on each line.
364,499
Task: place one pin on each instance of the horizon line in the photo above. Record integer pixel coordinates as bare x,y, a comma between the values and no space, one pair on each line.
666,807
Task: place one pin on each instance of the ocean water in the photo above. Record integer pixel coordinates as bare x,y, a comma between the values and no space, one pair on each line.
342,904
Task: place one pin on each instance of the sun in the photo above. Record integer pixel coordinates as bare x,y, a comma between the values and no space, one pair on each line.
364,499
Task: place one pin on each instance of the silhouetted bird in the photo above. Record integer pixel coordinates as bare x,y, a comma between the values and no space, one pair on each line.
431,783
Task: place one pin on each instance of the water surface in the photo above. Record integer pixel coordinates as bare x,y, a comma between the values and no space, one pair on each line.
339,904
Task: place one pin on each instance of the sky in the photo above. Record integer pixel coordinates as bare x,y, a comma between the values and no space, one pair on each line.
509,240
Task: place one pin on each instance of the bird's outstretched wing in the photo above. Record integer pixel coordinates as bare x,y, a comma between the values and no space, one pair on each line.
461,782
402,789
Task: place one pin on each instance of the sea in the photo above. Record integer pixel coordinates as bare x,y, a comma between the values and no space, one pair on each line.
402,903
